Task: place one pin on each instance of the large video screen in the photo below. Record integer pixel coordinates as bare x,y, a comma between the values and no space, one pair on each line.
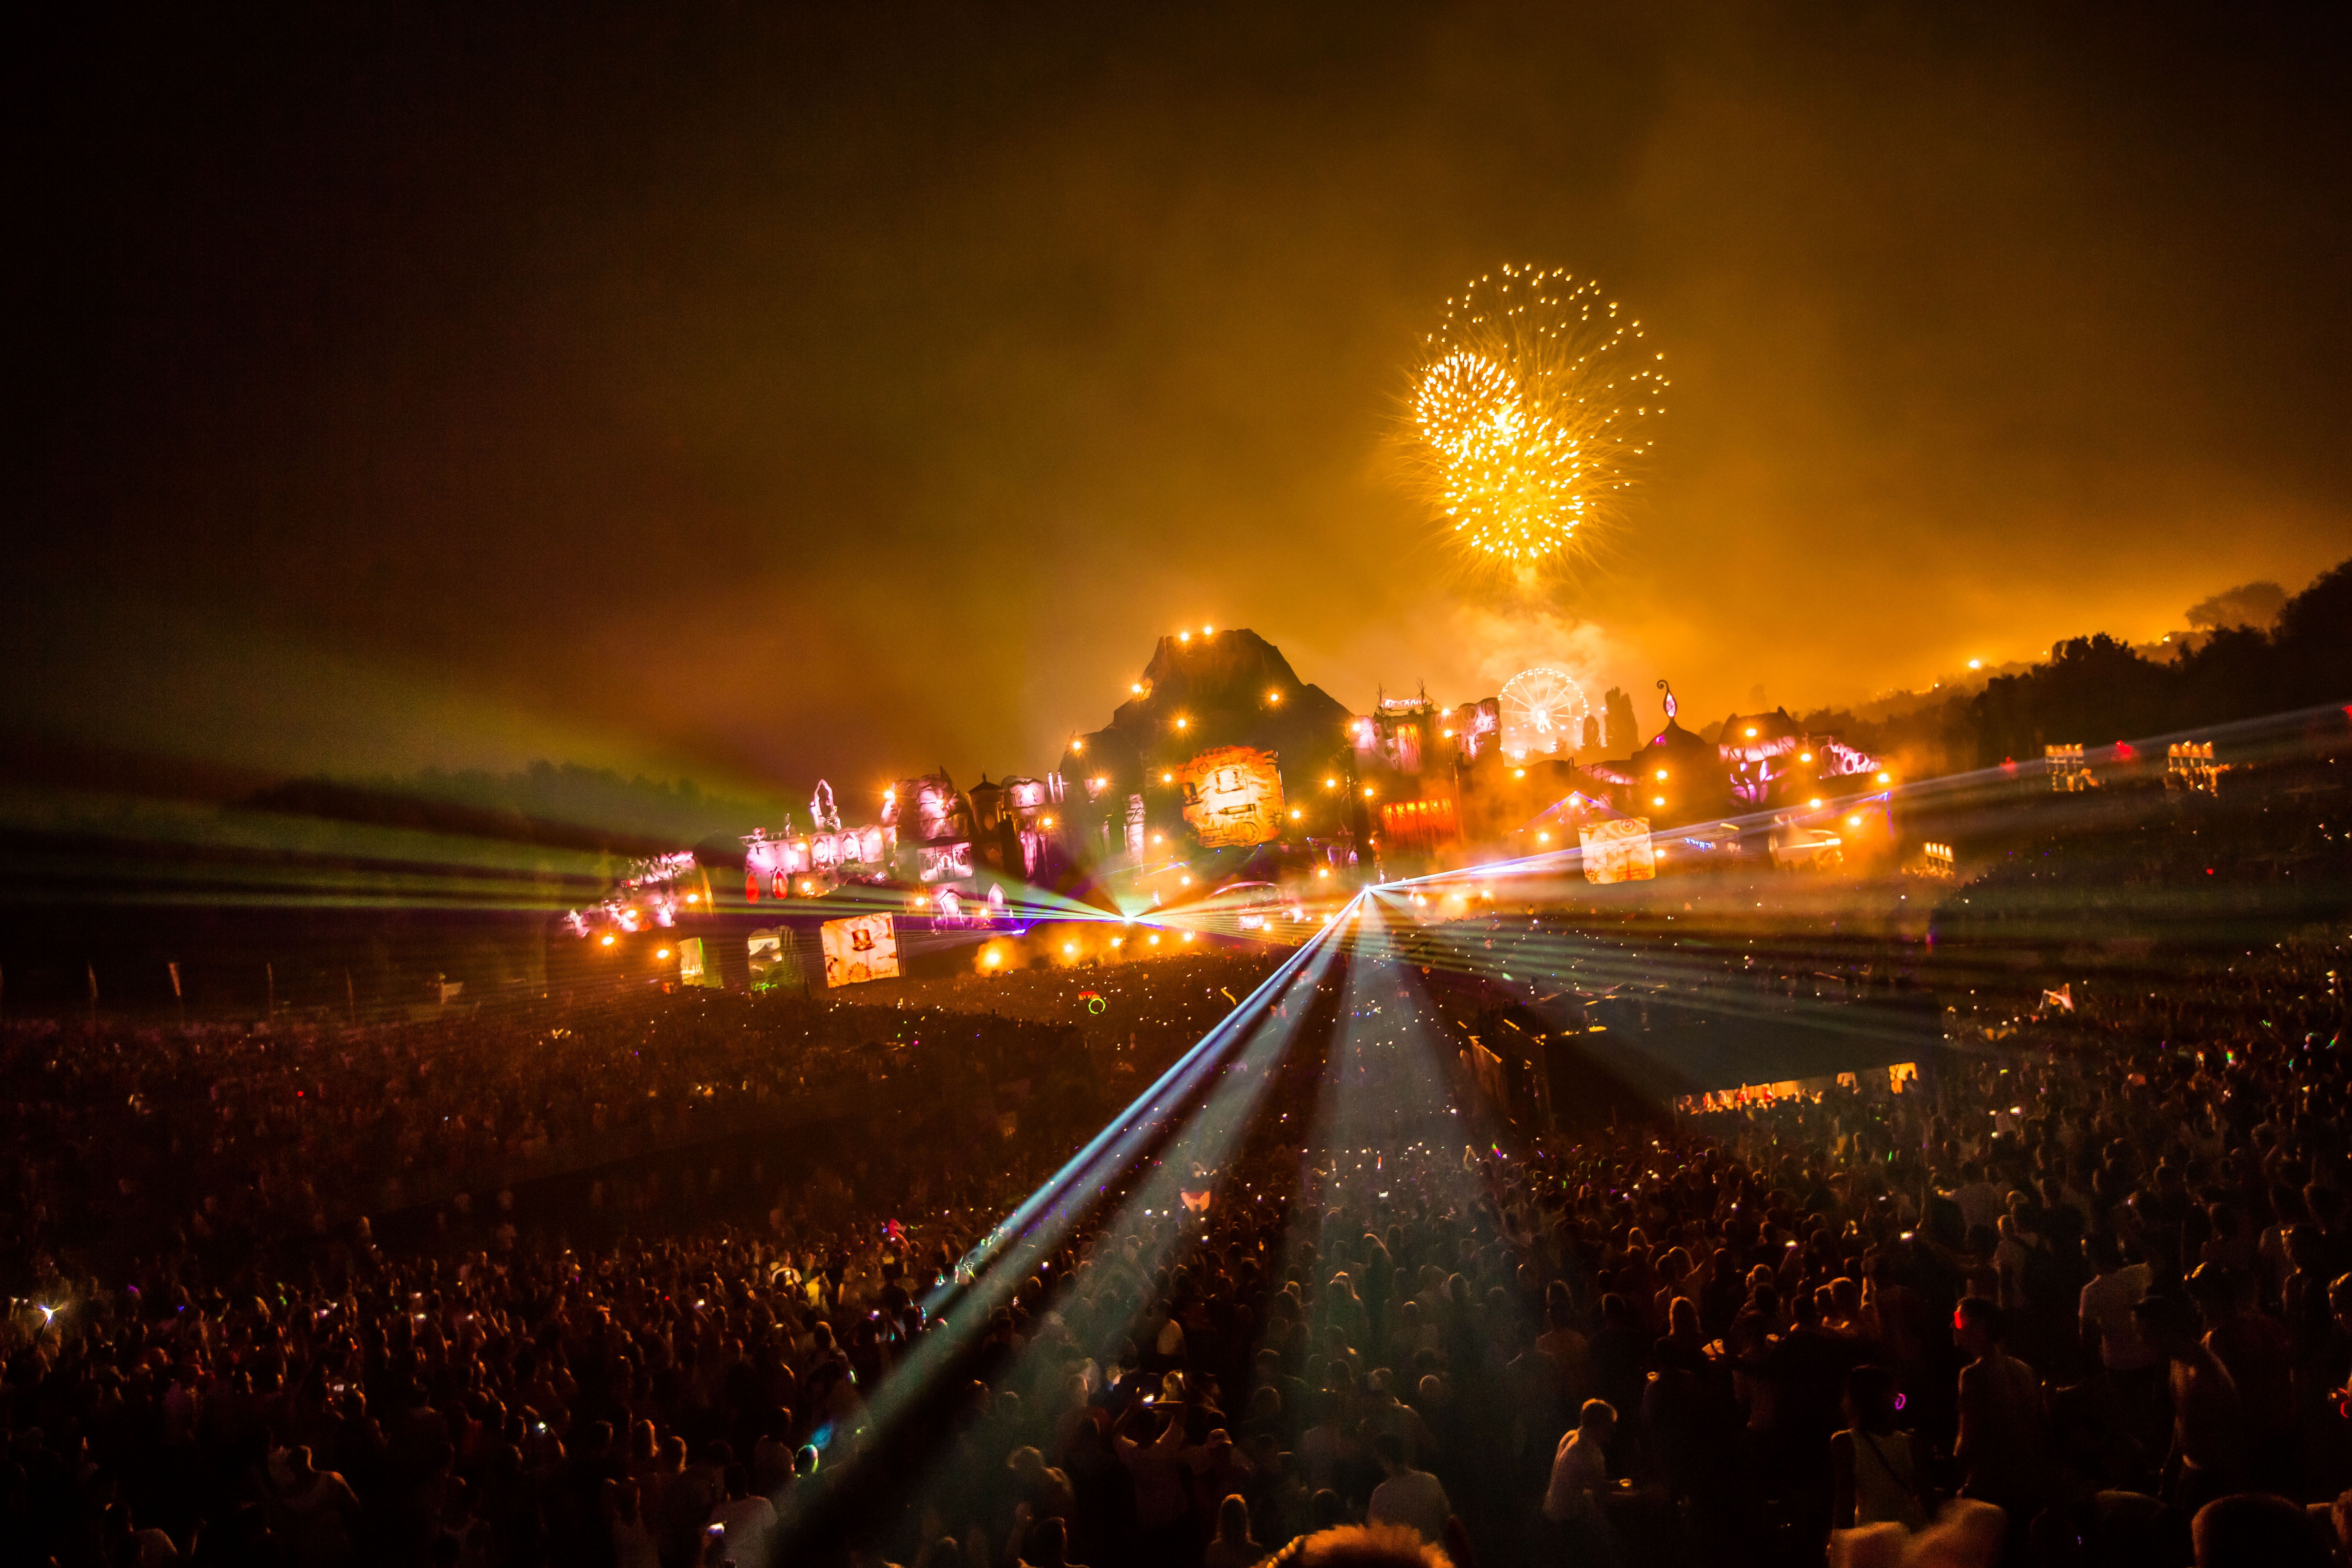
1619,851
1232,795
863,948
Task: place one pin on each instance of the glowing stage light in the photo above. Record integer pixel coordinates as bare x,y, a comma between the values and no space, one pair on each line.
1367,792
1295,814
1518,773
608,939
1543,837
1853,822
1815,803
1657,800
1181,722
1184,636
1077,746
1751,732
1069,950
663,952
1804,756
1662,776
1273,696
1167,778
1887,778
694,898
1137,687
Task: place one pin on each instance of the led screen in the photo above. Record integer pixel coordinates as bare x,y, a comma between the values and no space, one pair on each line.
1232,795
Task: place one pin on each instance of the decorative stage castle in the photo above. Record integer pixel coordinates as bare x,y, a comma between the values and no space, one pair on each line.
1223,767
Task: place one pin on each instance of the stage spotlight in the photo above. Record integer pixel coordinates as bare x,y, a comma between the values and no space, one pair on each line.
1657,800
663,952
608,939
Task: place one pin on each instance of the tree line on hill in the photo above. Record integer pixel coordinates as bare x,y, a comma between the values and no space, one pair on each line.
2097,690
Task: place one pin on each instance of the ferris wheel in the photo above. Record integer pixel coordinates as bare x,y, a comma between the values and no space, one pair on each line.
1543,714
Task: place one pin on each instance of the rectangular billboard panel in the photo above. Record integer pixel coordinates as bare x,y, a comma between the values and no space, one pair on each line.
1233,796
1619,851
865,947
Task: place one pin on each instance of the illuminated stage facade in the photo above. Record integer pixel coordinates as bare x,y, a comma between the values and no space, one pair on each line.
1224,785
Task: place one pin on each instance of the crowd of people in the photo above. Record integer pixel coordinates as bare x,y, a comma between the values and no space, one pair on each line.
128,1135
2082,1294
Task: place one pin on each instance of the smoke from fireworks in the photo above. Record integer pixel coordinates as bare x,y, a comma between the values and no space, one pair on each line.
1526,422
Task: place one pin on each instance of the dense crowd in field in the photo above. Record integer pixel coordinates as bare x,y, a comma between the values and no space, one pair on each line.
2083,1295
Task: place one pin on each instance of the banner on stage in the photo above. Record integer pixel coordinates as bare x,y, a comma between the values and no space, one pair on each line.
1619,851
1232,795
860,949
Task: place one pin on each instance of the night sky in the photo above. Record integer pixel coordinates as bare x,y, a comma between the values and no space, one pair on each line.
768,393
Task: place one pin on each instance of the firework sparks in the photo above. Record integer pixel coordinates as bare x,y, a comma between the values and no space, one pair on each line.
1527,421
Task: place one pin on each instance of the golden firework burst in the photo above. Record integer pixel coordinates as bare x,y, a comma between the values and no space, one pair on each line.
1526,418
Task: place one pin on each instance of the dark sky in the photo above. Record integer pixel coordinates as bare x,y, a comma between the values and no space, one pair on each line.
764,394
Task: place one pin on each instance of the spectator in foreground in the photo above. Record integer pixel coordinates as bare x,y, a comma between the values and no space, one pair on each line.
1579,1479
1878,1478
1361,1546
2255,1530
1234,1546
1411,1497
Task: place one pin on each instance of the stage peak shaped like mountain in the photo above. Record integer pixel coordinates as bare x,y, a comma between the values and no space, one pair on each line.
1228,688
